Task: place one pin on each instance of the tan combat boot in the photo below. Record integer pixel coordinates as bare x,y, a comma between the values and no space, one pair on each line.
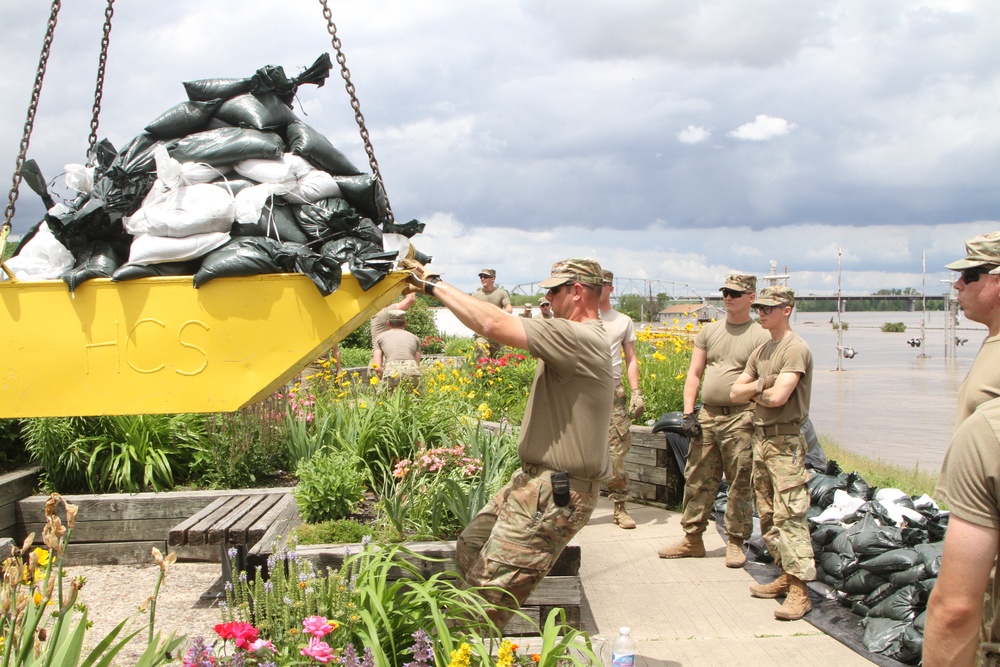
691,546
797,604
772,590
621,516
734,552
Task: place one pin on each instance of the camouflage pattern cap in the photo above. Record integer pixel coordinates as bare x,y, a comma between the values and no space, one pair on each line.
489,273
609,278
741,282
544,302
397,316
776,295
574,270
980,250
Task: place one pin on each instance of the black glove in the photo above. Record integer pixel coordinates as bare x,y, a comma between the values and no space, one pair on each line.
690,425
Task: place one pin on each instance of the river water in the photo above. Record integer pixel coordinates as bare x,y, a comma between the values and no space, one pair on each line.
891,401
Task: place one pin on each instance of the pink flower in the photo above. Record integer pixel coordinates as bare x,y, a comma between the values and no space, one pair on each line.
317,626
243,633
318,649
262,644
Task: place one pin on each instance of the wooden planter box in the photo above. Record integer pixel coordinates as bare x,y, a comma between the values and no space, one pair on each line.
13,487
654,475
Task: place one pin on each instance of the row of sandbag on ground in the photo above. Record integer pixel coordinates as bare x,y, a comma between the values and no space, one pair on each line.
229,182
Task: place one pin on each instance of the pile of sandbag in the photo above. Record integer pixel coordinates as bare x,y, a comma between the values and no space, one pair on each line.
880,552
229,182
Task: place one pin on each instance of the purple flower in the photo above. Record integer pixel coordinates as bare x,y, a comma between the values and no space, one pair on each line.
199,655
349,658
422,650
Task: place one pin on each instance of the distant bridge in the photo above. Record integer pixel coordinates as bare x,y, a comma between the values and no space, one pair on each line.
911,300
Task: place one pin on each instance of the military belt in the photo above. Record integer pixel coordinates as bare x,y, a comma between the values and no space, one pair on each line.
578,484
727,409
778,429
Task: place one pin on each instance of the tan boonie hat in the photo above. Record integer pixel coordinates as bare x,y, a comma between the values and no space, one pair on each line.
489,273
741,282
397,316
574,270
609,277
777,295
544,302
980,250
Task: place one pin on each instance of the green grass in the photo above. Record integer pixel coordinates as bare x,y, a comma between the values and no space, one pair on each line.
911,480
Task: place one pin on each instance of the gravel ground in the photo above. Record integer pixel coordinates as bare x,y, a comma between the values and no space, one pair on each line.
114,592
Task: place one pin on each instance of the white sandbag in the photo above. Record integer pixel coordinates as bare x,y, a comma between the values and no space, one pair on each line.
843,505
924,502
41,258
890,495
148,249
303,182
900,513
80,177
171,173
250,201
184,211
312,187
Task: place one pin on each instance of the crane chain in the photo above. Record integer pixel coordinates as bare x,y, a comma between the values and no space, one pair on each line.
29,123
109,12
355,104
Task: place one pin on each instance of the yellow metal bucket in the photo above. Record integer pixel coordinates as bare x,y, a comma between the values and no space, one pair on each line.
157,345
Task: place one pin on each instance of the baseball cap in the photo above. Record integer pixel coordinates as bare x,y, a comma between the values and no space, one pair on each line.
574,270
776,295
544,302
609,277
489,273
397,316
979,251
741,282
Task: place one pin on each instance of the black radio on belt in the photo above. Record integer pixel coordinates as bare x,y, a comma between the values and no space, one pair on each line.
560,488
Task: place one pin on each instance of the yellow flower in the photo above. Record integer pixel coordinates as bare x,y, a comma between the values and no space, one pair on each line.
505,655
362,405
373,380
43,556
461,656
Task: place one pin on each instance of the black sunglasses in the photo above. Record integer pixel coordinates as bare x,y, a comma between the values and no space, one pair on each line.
766,310
732,294
972,275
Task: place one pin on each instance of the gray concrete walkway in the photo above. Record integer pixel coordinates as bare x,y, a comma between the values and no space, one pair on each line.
692,612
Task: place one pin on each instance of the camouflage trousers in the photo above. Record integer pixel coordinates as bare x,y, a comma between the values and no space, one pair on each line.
515,540
723,449
619,442
779,484
401,373
484,347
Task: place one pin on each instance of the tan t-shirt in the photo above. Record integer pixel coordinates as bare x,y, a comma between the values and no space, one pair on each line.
380,323
789,355
398,345
498,297
727,347
983,381
970,479
565,424
620,330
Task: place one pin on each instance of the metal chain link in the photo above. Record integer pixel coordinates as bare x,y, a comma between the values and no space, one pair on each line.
355,104
29,123
102,63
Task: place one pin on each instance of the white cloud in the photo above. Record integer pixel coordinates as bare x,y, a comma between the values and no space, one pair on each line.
693,134
762,128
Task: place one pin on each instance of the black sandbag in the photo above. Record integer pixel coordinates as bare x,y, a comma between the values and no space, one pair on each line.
259,112
920,622
212,89
364,193
302,139
31,173
272,78
882,635
822,487
841,544
857,487
837,566
183,119
825,533
409,229
99,260
368,262
903,605
226,145
324,272
894,560
136,271
244,256
277,221
879,594
125,182
911,576
930,555
861,582
325,219
858,607
872,508
911,645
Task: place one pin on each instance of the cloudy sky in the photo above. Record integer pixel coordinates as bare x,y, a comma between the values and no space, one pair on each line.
671,141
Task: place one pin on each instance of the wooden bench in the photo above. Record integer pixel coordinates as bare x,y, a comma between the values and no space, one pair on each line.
237,521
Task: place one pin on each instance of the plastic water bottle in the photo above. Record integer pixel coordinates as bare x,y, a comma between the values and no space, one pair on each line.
623,650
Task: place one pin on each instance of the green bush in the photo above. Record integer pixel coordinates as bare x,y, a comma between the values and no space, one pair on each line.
894,327
337,531
330,486
458,346
242,448
355,357
843,326
12,450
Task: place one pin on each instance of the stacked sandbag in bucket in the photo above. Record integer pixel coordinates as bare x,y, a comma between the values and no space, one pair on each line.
880,552
229,182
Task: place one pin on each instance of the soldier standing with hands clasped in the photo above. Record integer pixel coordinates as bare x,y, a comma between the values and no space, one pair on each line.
721,431
516,539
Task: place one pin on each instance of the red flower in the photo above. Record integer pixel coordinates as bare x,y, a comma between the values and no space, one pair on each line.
244,633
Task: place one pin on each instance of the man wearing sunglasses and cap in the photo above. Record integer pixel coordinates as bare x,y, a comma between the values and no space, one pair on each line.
778,379
514,541
721,430
978,287
544,309
490,293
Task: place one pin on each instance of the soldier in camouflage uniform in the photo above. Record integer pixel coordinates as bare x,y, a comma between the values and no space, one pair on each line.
498,296
515,540
778,378
544,309
721,431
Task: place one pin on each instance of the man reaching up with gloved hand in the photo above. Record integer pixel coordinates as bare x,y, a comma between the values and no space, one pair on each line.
720,432
515,540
